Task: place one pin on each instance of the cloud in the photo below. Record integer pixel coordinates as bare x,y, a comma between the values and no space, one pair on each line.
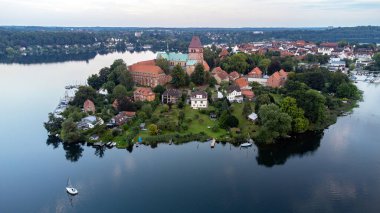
190,13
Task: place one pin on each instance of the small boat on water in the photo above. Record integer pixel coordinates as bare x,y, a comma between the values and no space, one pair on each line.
98,144
170,141
213,142
70,189
247,144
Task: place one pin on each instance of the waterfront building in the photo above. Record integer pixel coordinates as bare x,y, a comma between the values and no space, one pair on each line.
199,100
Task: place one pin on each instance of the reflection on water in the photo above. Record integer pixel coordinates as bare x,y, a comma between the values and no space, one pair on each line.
279,153
73,151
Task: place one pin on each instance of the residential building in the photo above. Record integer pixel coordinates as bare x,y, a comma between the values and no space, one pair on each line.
248,94
199,100
233,94
220,75
89,106
277,79
171,96
242,83
255,73
122,118
144,94
234,75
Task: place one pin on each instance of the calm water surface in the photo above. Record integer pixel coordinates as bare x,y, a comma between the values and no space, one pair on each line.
334,171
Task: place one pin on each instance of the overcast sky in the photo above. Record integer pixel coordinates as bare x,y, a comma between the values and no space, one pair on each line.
190,13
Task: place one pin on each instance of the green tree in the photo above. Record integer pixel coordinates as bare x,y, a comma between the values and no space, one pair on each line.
274,122
119,92
94,81
313,103
237,62
376,58
84,93
247,109
299,122
347,90
163,64
147,109
227,120
178,76
159,89
198,76
109,86
153,129
264,64
69,132
262,100
53,126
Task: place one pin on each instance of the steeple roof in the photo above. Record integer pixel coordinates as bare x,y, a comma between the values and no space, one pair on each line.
195,42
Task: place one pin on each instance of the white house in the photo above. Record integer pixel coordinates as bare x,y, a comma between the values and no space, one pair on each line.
234,94
198,100
325,51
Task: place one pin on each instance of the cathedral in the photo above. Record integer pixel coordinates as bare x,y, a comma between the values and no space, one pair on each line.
187,61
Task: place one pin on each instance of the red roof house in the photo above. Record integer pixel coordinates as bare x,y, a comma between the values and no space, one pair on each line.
256,73
277,79
89,106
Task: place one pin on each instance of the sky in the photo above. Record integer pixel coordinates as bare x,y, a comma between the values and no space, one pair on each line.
190,13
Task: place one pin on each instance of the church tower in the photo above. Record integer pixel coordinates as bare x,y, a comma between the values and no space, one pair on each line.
196,50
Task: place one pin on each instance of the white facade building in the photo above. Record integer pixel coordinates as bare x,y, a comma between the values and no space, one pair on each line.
199,100
234,94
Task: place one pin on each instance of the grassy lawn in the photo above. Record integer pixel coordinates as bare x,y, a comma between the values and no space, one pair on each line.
246,126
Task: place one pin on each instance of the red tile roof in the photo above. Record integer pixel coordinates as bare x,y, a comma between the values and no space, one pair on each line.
195,42
145,91
234,74
241,82
256,71
146,68
248,93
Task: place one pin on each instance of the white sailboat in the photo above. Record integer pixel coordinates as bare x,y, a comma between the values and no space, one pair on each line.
71,190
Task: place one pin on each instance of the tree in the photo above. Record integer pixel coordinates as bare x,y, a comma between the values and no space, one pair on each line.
119,92
124,77
247,110
147,109
153,129
347,90
94,81
299,122
264,64
212,82
262,100
159,89
84,93
313,103
163,64
227,120
69,132
109,86
274,67
125,104
275,122
178,76
237,62
198,76
376,58
53,126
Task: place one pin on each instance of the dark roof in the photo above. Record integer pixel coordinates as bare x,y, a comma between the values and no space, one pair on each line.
172,92
232,88
203,93
195,42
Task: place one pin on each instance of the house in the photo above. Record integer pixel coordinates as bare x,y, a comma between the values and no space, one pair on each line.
122,118
198,100
242,83
89,122
234,94
224,53
147,73
89,106
277,79
255,73
248,94
234,75
220,75
171,96
144,94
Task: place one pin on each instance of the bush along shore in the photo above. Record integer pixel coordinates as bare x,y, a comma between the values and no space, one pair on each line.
107,110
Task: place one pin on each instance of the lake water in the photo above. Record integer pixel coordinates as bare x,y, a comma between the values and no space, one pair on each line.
334,171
